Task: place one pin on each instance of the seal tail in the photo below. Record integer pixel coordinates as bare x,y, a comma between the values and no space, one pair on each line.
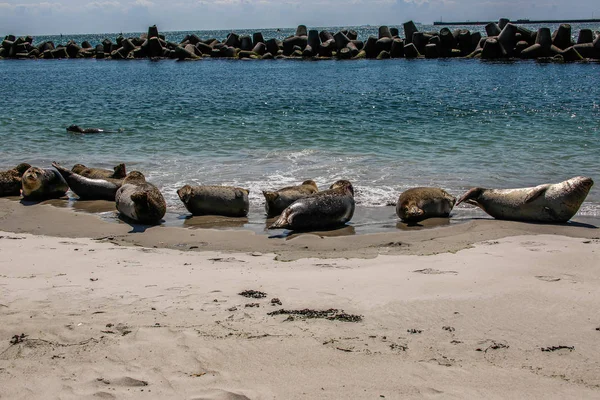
282,222
62,170
470,196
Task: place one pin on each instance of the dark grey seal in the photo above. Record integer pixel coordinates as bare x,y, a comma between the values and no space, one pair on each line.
544,203
323,210
420,203
228,201
139,200
41,184
90,189
78,129
279,200
10,180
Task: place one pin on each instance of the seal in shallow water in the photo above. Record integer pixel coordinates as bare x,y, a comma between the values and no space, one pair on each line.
40,184
279,200
118,172
139,200
78,129
420,203
87,188
10,181
322,210
544,203
228,201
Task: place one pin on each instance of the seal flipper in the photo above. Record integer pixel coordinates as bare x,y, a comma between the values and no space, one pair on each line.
536,192
282,222
62,170
471,196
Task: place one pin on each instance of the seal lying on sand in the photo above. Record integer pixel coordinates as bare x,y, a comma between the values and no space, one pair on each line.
215,200
322,210
90,189
118,172
78,129
139,200
40,184
420,203
279,200
544,203
10,181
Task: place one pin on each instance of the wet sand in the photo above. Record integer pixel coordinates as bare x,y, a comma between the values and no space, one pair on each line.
57,218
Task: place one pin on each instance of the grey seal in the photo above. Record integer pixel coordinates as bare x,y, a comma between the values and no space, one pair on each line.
118,172
139,200
40,184
556,202
420,203
323,210
228,201
279,200
10,180
88,188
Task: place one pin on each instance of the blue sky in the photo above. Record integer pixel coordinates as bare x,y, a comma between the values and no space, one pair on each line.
22,17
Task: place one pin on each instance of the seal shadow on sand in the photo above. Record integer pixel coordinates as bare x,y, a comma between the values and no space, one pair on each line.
344,230
136,227
212,221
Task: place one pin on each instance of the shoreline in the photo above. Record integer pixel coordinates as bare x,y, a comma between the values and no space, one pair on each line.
46,219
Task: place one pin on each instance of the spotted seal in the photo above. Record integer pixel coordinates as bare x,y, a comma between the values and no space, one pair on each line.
10,180
556,202
322,210
87,188
40,184
420,203
118,172
228,201
279,200
139,200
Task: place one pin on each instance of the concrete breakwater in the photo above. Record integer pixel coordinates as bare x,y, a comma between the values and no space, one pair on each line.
504,40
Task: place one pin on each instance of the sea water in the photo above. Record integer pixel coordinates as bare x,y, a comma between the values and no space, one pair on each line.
384,125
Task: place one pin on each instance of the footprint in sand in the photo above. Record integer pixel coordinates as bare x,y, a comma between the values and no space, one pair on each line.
220,394
546,278
432,271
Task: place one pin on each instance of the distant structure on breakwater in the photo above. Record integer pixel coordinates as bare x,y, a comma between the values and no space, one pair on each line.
522,22
504,40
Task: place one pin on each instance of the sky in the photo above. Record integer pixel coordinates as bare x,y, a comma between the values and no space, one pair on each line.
23,17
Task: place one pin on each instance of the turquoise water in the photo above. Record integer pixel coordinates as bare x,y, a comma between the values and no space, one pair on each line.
384,125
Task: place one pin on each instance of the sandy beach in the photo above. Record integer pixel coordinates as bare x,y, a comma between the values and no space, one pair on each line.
484,309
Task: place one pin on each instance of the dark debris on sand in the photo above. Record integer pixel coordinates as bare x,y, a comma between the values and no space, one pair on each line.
253,294
333,314
18,338
555,348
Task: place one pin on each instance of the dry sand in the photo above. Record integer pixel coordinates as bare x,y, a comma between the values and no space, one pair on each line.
90,309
